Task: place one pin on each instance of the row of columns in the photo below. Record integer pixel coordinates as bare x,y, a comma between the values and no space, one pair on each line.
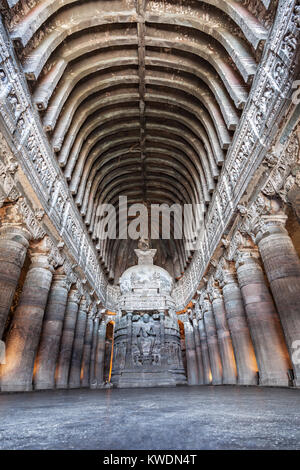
247,320
54,339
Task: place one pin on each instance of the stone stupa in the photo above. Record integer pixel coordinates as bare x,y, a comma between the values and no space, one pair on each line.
147,350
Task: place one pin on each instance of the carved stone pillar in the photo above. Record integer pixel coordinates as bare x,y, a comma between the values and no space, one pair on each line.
65,354
239,331
100,351
93,380
212,342
264,324
129,340
282,266
75,368
23,337
198,352
87,348
191,356
224,339
204,350
14,241
44,377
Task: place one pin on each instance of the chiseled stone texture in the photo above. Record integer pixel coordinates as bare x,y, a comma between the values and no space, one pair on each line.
92,379
225,343
282,266
51,333
264,324
65,353
198,352
24,335
212,343
241,340
14,242
204,351
191,355
77,352
203,417
86,355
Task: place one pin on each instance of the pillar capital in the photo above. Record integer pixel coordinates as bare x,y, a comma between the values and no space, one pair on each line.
11,215
40,256
13,226
74,296
61,279
270,224
248,255
227,276
198,313
90,315
83,304
214,290
205,303
15,232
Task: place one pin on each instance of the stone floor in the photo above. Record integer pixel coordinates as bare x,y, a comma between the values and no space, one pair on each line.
162,418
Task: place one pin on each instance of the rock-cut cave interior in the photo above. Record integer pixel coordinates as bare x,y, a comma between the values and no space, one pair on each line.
149,224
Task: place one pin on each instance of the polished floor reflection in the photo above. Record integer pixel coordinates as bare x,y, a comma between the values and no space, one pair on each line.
222,417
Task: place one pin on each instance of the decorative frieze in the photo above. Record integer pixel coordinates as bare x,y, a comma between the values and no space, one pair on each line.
255,133
31,149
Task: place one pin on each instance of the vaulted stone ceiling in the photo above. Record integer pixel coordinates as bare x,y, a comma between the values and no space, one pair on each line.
139,98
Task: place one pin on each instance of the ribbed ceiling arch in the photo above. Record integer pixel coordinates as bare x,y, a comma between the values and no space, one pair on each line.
139,98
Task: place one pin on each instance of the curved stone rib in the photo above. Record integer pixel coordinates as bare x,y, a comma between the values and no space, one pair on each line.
249,24
91,153
202,116
235,47
254,31
81,152
95,156
81,94
108,163
84,116
72,158
64,25
76,133
200,93
193,141
91,65
69,81
111,173
233,83
190,64
87,88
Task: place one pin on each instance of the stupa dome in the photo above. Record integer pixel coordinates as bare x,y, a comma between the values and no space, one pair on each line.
146,275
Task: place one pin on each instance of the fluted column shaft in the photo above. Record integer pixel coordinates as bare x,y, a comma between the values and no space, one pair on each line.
282,266
23,337
212,343
100,351
14,241
191,356
240,335
204,350
51,332
65,354
86,356
225,343
77,351
264,324
198,352
93,380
